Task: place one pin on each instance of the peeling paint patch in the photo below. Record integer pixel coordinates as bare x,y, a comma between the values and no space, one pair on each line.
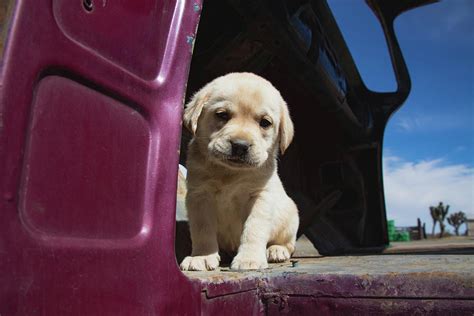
190,39
196,7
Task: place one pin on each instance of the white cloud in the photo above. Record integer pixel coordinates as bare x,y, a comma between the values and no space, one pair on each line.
411,187
434,123
456,18
409,124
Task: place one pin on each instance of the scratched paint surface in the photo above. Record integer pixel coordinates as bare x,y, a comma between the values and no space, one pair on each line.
417,276
354,265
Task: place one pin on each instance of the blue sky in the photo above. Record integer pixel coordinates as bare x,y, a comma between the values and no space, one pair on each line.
429,142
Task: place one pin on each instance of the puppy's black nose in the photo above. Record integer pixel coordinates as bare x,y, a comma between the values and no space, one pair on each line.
239,147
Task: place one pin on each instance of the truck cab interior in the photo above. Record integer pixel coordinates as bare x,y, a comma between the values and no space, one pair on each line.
333,169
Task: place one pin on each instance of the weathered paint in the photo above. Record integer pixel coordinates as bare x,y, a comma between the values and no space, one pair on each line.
393,284
242,303
307,305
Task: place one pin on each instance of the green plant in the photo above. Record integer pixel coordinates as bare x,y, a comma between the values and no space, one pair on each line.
456,220
438,214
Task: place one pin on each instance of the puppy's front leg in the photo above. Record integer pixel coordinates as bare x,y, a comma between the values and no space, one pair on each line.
253,242
203,228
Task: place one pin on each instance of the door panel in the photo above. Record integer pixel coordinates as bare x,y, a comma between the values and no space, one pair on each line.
85,164
131,34
90,122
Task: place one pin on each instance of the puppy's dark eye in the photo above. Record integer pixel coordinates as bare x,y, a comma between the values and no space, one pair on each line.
222,115
264,123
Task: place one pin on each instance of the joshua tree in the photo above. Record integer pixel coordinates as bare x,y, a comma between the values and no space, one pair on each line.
444,211
438,214
456,220
434,216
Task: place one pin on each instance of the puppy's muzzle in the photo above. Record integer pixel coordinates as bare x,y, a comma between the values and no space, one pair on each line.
240,148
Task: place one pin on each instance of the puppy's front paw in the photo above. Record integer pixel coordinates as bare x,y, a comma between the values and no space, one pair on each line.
277,253
201,263
246,262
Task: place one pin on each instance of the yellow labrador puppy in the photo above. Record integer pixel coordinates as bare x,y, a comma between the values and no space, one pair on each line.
236,202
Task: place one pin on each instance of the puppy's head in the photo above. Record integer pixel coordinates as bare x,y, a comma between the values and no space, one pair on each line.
239,120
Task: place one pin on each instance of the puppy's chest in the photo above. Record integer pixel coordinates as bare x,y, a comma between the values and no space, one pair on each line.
233,205
234,199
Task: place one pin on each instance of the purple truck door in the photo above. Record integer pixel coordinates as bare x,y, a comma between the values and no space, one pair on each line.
91,98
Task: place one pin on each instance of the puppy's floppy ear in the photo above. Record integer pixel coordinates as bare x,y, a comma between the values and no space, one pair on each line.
194,108
286,128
